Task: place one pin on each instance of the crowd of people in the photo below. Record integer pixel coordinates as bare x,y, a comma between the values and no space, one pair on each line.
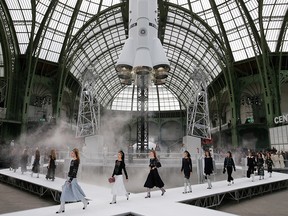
23,157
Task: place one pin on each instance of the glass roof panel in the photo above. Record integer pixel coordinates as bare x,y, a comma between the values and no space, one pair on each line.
168,101
187,42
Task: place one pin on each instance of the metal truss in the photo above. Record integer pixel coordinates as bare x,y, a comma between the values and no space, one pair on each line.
198,122
88,123
214,200
142,111
31,187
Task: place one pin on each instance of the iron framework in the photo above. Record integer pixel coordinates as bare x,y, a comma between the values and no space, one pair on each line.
198,122
88,123
142,110
214,200
32,187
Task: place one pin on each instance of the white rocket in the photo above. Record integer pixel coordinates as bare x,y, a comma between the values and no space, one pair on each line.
143,52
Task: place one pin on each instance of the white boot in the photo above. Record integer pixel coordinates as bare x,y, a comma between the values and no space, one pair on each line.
253,177
62,208
190,188
185,188
209,184
85,202
270,174
113,200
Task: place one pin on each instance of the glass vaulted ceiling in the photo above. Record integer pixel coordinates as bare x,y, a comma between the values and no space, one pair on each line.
192,38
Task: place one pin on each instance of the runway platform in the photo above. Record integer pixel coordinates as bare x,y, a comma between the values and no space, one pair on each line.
172,203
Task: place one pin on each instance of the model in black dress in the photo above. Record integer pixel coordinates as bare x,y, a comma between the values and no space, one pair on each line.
208,168
153,179
187,168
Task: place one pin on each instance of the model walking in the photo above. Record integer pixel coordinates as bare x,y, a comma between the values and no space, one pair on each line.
24,161
153,179
208,168
118,188
71,190
51,165
269,163
251,163
260,165
229,165
36,164
187,168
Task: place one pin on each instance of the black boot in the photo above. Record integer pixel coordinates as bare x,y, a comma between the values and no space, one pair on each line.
163,191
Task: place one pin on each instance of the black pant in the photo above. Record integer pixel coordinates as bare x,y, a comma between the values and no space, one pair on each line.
229,172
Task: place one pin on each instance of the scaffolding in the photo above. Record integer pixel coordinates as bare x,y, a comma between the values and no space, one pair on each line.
198,122
88,122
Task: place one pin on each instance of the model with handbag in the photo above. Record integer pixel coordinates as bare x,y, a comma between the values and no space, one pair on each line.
229,165
118,188
208,168
71,190
187,168
154,179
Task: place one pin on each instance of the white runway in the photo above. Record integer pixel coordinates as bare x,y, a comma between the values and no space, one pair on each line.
157,205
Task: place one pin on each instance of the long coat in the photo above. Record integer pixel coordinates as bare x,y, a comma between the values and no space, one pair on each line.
186,167
208,165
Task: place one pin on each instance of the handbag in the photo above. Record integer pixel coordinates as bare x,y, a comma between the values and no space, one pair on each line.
111,179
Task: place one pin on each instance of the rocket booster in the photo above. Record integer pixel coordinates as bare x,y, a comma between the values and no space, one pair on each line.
143,50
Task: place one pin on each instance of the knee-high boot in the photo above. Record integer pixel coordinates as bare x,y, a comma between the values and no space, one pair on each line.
85,203
163,191
113,200
148,193
190,187
62,208
185,187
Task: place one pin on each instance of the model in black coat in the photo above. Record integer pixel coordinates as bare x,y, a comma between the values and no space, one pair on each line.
36,164
229,165
24,161
251,163
260,166
187,168
153,179
208,168
269,163
51,165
